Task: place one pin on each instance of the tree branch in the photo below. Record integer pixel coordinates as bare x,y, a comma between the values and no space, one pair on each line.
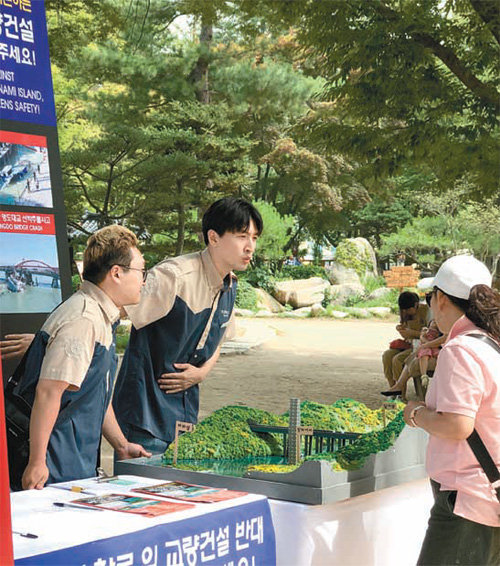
484,91
85,192
489,12
78,227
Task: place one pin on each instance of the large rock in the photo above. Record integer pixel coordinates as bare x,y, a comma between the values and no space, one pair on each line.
318,310
359,312
301,292
366,248
379,293
340,293
243,312
266,302
263,313
381,312
303,312
339,314
339,274
358,258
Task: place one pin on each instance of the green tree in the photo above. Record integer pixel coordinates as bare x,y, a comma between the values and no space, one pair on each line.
139,145
277,228
409,83
428,240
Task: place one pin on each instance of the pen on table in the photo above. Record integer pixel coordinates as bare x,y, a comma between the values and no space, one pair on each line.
106,478
75,506
26,535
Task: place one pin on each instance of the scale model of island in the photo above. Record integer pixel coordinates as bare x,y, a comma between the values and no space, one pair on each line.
313,453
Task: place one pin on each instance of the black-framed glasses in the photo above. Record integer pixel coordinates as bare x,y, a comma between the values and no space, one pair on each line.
143,270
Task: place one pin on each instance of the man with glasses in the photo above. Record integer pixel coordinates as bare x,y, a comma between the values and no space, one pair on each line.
70,366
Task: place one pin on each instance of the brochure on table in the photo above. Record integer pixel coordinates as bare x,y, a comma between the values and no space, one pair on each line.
234,530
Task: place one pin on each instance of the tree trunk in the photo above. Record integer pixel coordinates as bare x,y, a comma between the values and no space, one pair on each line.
181,221
199,75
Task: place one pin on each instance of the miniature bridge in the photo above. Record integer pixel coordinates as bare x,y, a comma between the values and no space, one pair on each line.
323,440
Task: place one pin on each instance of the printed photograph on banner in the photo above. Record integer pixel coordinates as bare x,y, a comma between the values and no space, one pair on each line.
29,269
24,170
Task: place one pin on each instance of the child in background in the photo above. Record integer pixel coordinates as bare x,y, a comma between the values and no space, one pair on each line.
430,344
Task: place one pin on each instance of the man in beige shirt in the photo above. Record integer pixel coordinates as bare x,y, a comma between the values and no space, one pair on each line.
70,366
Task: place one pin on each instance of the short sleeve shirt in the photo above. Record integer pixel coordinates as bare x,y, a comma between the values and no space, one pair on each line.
193,278
185,312
467,382
73,329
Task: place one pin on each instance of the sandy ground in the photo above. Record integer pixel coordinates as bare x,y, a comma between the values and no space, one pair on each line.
316,359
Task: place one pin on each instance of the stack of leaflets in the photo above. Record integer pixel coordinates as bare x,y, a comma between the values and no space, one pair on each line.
133,504
100,486
189,492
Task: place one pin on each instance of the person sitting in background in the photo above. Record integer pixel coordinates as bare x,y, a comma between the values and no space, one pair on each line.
431,340
413,317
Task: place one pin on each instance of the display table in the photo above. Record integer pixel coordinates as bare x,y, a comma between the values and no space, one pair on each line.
382,528
238,532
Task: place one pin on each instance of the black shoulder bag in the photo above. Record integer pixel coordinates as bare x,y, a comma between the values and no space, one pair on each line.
475,442
17,420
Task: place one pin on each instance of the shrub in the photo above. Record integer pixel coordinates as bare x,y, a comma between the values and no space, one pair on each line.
302,272
261,277
370,283
246,297
122,338
353,300
76,281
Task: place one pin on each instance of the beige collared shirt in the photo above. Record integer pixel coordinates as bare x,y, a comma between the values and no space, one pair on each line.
193,278
74,329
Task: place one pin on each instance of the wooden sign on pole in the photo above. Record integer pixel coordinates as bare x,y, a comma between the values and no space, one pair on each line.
385,407
303,431
401,276
180,426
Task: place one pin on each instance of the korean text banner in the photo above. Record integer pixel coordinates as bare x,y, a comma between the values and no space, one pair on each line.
27,222
25,79
238,536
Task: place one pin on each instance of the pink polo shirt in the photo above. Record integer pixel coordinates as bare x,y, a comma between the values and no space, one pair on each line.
467,382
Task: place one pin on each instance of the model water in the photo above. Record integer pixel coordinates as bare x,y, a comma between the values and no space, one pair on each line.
236,468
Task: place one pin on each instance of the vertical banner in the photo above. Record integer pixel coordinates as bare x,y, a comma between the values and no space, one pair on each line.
34,256
25,78
6,553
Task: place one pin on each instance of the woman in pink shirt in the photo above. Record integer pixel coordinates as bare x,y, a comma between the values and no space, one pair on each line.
464,524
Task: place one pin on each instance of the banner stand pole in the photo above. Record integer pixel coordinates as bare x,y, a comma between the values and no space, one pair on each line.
6,549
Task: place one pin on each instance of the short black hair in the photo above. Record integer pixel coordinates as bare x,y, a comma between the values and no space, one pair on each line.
230,214
407,300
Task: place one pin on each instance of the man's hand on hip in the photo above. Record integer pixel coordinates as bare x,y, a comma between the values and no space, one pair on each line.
180,381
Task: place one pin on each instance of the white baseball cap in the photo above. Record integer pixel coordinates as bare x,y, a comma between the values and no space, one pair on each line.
458,274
